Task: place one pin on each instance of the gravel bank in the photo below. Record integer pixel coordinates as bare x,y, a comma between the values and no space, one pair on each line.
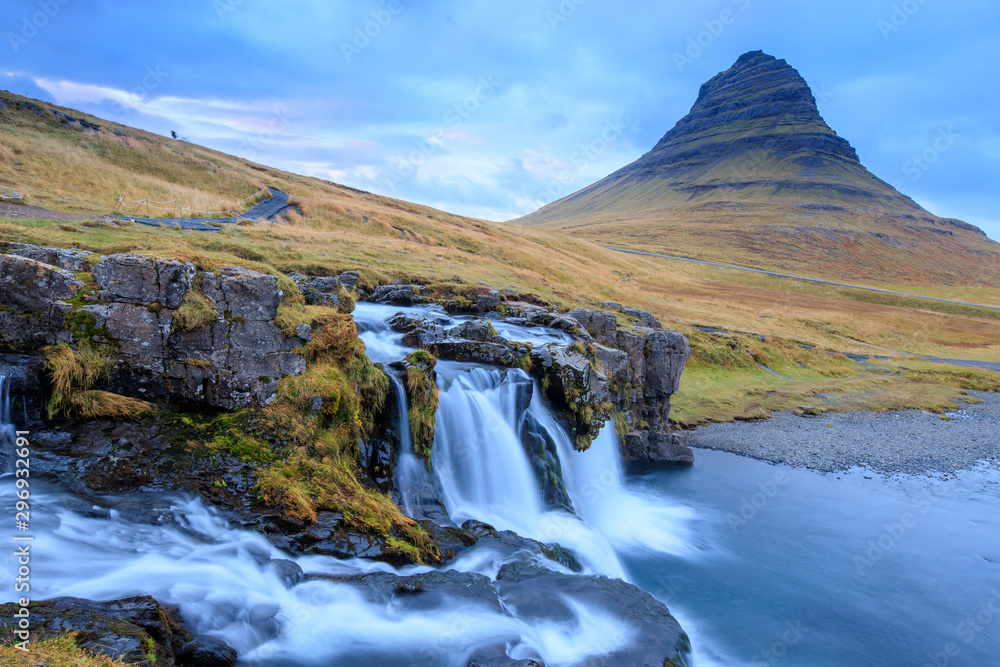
905,441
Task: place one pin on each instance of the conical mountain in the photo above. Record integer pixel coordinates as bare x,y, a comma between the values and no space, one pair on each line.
754,175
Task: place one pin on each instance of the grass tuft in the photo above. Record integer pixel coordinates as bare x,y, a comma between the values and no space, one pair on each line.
75,373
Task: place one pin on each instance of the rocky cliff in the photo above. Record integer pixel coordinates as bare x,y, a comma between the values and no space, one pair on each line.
181,333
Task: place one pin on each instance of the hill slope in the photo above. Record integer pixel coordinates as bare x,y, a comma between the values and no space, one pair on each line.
753,174
62,165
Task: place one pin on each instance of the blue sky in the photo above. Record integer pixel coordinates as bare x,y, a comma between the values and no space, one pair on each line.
492,109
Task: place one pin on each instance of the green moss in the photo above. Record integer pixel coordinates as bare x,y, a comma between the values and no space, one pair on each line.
423,396
421,358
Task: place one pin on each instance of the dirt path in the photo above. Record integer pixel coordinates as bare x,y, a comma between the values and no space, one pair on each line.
263,211
14,211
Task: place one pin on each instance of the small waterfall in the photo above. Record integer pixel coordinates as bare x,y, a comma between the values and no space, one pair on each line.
413,482
484,473
477,457
8,432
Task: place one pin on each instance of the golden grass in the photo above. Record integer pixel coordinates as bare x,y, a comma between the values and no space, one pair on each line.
194,312
74,373
726,379
852,245
57,651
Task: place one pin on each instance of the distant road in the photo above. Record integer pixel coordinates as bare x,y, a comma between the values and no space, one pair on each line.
265,210
812,280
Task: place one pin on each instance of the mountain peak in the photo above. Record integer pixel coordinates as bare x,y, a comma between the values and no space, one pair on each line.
753,160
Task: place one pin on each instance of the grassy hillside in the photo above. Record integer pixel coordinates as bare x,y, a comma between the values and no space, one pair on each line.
65,169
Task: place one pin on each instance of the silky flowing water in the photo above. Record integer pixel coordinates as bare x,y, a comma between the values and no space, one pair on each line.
761,564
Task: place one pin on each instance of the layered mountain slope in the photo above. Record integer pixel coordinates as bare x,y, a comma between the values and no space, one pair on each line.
754,174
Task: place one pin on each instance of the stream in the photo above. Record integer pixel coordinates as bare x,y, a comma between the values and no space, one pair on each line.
761,564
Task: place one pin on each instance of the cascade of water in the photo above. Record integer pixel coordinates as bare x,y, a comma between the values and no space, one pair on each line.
477,457
7,428
595,480
413,481
184,553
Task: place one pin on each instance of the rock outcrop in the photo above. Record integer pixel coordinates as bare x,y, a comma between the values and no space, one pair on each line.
207,337
137,630
625,374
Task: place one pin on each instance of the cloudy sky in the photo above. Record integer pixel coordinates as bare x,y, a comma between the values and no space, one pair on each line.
492,109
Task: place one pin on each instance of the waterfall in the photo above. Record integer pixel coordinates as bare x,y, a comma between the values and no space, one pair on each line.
181,551
413,482
8,432
484,473
477,457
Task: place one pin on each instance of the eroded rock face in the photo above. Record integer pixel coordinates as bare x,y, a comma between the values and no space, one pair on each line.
639,370
233,359
399,295
610,369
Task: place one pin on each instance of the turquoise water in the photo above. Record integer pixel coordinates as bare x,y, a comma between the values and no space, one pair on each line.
800,568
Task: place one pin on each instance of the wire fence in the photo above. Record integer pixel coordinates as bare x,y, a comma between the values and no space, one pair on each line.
132,207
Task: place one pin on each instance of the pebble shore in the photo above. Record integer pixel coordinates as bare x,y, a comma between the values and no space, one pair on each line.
912,442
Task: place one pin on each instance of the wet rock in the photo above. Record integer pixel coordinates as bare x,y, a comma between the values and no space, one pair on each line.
399,295
544,458
127,629
420,331
654,638
430,590
479,330
510,543
490,302
504,353
207,651
288,571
